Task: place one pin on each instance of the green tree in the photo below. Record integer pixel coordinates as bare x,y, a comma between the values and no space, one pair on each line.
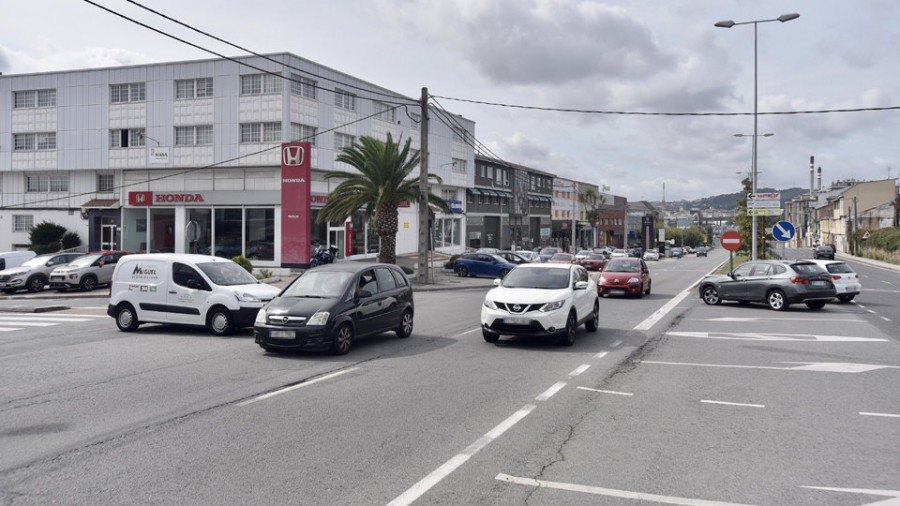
47,237
591,202
381,184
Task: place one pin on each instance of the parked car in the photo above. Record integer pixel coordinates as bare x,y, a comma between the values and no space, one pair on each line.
531,256
86,272
541,300
825,251
778,283
561,258
677,252
33,275
625,276
701,251
332,306
651,254
548,252
594,262
481,264
512,257
185,289
845,279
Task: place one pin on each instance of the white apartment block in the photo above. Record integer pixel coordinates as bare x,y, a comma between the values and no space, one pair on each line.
185,156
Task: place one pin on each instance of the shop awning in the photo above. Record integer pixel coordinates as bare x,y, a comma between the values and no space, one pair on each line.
474,191
101,204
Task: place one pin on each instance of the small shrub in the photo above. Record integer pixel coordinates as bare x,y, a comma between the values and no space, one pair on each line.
264,274
243,262
407,270
449,264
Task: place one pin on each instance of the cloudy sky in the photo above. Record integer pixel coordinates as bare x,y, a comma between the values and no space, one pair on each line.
634,56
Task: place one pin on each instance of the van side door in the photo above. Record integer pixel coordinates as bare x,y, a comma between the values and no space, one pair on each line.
186,295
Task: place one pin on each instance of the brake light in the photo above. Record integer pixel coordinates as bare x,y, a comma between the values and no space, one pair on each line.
836,276
798,279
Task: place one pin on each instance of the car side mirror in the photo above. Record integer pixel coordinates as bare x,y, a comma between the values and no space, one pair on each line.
364,293
101,263
581,285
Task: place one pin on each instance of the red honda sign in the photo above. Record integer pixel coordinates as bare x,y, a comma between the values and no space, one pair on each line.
140,198
731,240
295,203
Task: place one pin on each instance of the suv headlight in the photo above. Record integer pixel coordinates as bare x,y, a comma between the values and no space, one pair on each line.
553,306
246,297
320,318
488,303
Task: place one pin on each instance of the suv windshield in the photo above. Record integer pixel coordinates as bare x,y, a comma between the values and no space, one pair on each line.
542,278
227,273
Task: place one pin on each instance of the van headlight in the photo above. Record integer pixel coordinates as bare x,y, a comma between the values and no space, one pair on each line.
246,297
260,317
320,318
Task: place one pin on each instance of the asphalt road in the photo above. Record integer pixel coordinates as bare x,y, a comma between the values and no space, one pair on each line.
670,402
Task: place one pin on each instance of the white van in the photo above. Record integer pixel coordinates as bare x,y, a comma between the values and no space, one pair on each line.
10,259
185,289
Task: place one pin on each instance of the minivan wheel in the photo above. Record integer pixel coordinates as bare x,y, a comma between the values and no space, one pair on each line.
567,338
35,284
220,321
815,304
593,322
710,295
406,324
88,283
126,318
777,301
342,340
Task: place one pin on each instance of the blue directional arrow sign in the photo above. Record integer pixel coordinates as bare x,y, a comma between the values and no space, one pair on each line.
783,231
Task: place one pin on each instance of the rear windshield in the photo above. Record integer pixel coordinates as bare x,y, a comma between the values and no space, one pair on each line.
841,268
807,268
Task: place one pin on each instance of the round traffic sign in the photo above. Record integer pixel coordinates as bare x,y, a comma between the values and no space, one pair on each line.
731,240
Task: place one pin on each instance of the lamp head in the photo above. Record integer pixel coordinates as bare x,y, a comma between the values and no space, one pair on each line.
787,17
727,24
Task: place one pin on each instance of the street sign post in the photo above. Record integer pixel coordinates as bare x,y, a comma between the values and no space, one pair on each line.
731,241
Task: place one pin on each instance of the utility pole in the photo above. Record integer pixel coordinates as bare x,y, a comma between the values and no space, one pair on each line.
574,210
422,275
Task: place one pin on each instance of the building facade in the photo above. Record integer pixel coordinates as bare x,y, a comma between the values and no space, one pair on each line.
186,156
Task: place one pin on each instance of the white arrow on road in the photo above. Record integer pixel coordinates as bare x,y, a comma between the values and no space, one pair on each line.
894,495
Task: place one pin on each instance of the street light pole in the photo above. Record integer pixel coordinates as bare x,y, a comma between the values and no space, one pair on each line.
728,24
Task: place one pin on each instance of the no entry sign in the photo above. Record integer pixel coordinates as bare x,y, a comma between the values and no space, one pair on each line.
731,240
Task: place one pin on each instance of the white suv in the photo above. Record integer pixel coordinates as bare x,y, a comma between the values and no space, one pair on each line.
541,300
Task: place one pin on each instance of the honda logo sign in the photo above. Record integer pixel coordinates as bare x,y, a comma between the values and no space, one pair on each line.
292,156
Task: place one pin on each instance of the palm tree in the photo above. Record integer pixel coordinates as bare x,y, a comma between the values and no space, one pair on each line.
591,201
380,185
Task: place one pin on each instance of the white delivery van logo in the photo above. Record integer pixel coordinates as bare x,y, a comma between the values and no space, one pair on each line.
145,272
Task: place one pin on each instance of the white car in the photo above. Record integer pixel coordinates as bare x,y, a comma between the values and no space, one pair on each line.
845,279
618,252
541,299
581,255
651,254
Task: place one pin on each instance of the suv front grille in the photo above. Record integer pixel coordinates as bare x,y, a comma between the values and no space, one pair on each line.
514,308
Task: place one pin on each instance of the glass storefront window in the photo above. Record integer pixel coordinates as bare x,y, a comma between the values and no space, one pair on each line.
228,228
162,230
134,229
203,219
446,232
318,232
259,232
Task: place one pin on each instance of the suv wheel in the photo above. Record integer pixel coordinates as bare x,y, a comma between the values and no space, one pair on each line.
710,295
593,322
777,301
568,336
815,304
88,283
35,284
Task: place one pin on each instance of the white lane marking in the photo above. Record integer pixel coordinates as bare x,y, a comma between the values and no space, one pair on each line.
889,415
733,404
33,324
550,392
737,319
811,366
295,387
662,312
754,336
617,343
579,370
55,319
604,391
451,465
611,492
601,354
8,329
893,494
885,318
467,332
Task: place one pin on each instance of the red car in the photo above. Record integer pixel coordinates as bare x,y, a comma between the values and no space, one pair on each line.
624,276
562,258
594,262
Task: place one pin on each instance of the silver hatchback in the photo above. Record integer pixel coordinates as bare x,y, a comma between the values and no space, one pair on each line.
777,283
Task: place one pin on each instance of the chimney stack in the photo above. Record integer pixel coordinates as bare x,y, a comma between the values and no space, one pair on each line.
820,179
812,172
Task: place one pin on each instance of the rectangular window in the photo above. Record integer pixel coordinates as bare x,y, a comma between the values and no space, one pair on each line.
106,183
127,138
194,88
344,100
23,222
385,112
194,135
303,133
46,98
303,87
260,132
122,93
460,135
204,135
47,183
259,84
59,183
342,141
34,98
32,141
459,165
24,99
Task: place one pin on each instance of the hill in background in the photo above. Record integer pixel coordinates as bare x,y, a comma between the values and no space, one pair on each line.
728,200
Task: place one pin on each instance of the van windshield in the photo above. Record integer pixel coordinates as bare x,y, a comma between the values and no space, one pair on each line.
227,273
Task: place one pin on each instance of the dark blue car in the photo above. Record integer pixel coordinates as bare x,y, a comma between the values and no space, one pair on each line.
481,264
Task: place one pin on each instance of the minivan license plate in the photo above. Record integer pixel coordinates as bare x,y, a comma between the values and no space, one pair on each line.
283,334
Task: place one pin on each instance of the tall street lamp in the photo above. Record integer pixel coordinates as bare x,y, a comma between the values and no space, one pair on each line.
754,174
728,24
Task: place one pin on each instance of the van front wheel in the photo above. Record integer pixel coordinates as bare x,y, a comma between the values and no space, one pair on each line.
126,318
220,321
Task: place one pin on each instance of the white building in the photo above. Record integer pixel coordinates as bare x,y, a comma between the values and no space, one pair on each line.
186,156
